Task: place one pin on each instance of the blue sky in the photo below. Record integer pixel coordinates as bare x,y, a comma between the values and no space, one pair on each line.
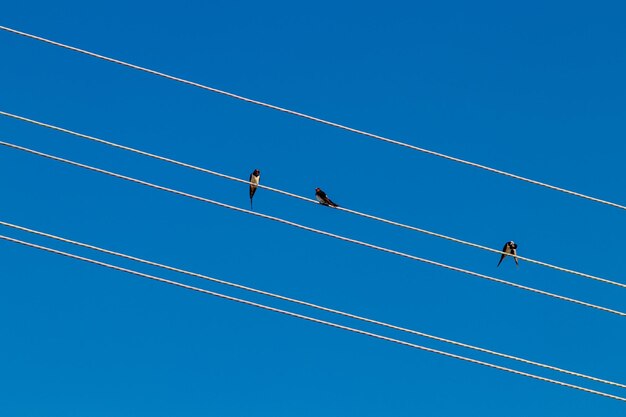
536,89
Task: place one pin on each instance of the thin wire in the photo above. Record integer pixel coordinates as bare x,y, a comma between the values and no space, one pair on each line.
311,319
276,190
307,304
310,229
315,119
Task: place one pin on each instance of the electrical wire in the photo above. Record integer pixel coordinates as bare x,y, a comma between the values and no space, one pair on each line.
311,319
307,304
310,200
318,231
315,119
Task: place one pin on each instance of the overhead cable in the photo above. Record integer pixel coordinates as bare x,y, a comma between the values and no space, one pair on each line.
315,119
318,231
307,304
310,200
311,319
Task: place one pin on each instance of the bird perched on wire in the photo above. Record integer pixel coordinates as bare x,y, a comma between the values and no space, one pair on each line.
323,198
255,178
510,248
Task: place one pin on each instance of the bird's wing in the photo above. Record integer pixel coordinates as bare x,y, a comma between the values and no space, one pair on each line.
506,249
252,187
322,198
501,258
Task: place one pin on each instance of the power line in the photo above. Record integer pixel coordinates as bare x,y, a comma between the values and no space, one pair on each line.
318,231
276,190
315,119
311,319
307,304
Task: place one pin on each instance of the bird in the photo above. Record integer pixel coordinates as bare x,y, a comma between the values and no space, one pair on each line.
323,198
255,178
510,248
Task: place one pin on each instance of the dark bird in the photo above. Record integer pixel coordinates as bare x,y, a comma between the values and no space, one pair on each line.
255,177
510,248
323,198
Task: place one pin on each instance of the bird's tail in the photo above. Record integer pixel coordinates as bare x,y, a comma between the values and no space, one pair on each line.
501,258
251,203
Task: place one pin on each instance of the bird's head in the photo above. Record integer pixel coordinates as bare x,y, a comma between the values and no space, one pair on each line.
317,190
256,173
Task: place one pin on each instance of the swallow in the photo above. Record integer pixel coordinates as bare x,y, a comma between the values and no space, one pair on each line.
510,248
323,198
255,178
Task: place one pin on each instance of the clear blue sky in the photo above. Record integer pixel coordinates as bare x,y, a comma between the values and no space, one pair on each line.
533,88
